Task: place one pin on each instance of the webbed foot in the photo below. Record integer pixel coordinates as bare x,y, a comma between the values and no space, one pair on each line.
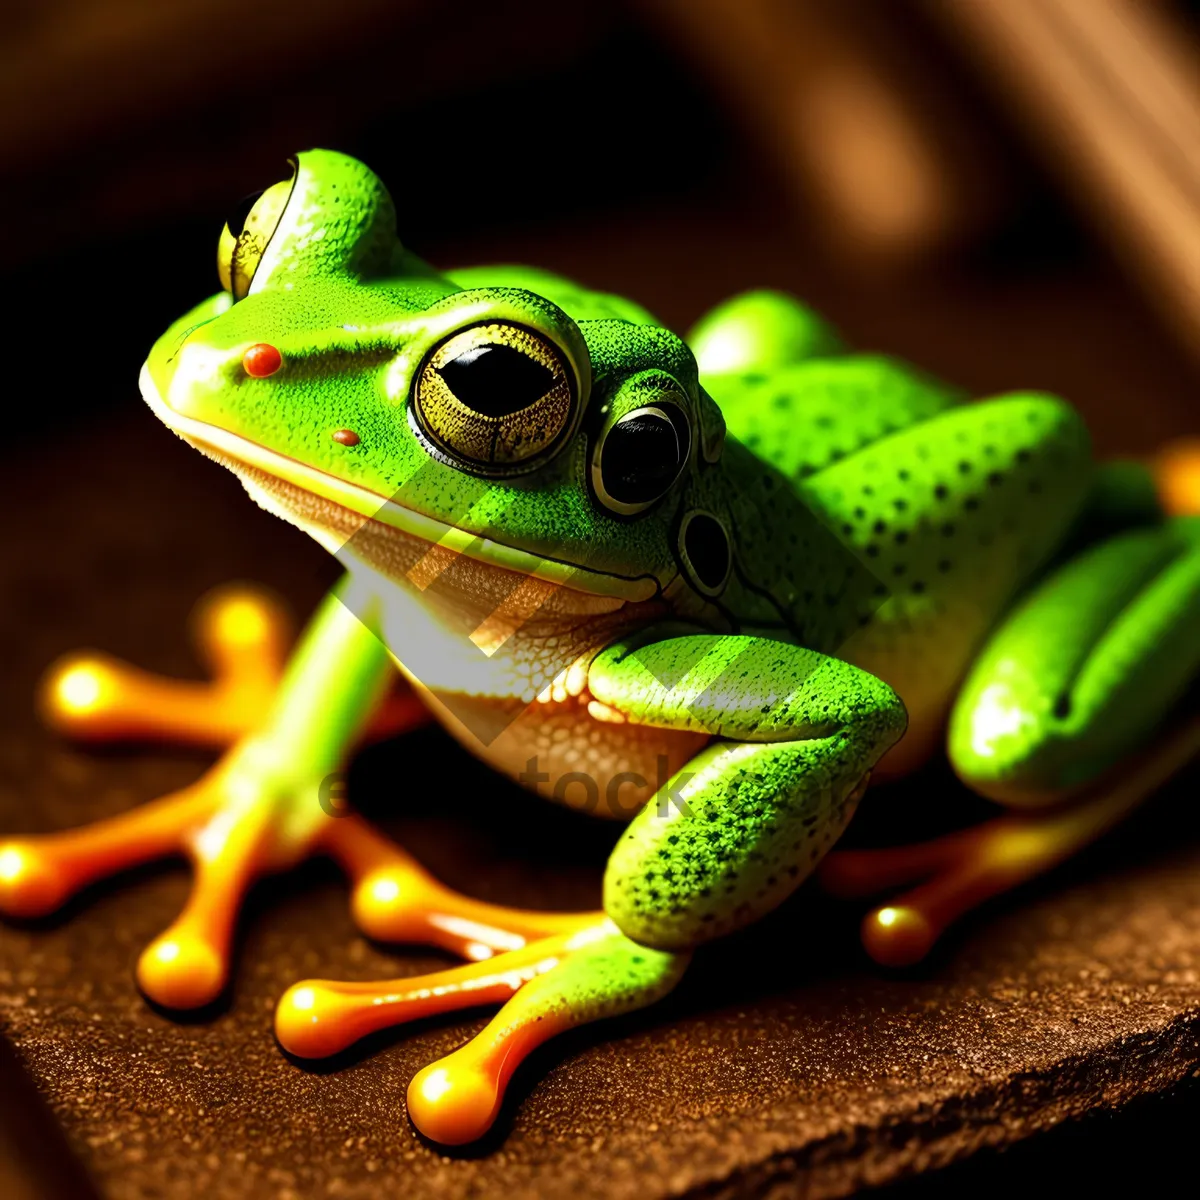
242,635
250,816
545,988
228,824
260,809
961,870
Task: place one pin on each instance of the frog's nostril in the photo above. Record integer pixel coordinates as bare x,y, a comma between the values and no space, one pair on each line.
261,360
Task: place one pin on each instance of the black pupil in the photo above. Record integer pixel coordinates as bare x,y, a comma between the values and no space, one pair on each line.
495,381
237,218
640,458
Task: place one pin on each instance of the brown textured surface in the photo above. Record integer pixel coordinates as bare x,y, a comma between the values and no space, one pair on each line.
782,1057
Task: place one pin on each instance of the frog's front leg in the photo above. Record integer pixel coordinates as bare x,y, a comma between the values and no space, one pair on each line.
259,809
796,735
1073,707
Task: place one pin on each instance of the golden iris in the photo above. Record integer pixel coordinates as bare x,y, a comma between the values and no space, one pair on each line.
495,394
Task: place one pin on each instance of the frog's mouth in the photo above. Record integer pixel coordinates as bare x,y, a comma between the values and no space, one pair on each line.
352,521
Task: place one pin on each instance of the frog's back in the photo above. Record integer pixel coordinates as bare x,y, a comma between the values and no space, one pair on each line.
889,519
805,416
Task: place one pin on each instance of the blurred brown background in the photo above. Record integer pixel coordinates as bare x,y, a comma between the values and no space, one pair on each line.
1004,191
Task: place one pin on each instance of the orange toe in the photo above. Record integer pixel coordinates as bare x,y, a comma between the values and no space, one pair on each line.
897,936
1177,474
454,1101
315,1019
30,883
181,971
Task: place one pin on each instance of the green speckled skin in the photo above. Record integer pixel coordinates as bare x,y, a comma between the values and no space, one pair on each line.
755,810
880,530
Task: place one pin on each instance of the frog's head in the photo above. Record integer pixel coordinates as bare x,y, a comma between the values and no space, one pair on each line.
345,379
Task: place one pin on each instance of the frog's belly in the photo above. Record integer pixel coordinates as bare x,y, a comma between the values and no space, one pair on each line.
924,657
559,749
554,745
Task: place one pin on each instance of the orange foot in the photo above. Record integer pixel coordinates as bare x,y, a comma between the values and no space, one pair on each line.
242,635
251,814
545,987
962,870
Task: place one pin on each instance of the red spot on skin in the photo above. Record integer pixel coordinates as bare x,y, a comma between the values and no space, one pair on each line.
346,437
262,360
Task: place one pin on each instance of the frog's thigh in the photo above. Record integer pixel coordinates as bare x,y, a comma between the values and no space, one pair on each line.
1084,669
742,824
951,516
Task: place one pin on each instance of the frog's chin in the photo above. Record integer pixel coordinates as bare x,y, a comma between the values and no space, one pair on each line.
347,519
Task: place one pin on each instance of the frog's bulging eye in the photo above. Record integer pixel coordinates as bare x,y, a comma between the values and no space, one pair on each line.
639,456
247,234
495,396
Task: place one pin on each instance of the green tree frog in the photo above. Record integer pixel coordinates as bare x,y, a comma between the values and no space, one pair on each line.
708,585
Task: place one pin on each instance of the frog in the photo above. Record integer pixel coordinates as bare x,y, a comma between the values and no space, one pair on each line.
709,585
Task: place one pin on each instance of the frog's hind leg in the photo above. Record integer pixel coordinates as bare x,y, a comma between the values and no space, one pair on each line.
242,634
546,988
1074,703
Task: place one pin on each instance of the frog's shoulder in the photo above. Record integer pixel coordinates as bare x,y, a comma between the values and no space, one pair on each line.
578,302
